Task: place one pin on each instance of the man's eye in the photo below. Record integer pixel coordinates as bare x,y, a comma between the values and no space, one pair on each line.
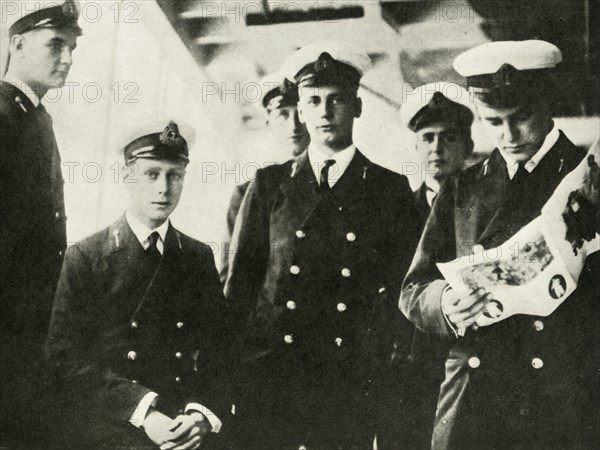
495,123
174,177
151,174
451,138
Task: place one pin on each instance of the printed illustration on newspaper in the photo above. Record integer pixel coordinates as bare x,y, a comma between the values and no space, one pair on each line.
538,268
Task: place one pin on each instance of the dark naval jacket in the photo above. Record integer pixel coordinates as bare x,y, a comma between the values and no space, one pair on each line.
33,232
524,382
32,243
314,277
123,326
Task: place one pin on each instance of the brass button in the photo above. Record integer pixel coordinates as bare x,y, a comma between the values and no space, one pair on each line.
300,234
132,355
474,362
351,237
338,341
60,253
134,381
537,363
288,338
179,325
302,447
291,304
538,325
381,290
57,214
134,324
294,270
341,307
345,272
178,379
178,355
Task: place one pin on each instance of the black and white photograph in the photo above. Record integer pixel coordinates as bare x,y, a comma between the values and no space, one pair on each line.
224,224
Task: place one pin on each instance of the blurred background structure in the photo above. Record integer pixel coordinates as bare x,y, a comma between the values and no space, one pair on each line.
199,61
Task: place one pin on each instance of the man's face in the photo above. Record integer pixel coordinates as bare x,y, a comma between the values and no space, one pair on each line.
443,149
518,132
45,56
329,113
155,187
289,132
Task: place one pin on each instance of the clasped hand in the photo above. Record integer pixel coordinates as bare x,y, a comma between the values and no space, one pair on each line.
185,432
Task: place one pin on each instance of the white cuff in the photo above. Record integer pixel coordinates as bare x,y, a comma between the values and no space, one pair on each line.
214,421
139,415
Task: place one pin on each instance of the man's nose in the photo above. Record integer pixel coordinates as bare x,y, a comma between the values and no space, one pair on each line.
511,132
66,56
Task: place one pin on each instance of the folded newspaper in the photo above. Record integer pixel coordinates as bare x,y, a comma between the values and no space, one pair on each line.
538,268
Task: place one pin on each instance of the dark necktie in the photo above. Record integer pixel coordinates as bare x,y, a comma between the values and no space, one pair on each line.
152,250
324,179
520,175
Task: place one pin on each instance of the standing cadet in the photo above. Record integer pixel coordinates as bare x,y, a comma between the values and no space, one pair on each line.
279,105
33,232
439,116
138,329
524,382
321,245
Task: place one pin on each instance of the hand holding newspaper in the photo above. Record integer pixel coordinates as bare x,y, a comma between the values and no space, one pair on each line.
538,268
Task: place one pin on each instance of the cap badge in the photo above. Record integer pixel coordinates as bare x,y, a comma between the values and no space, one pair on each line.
170,136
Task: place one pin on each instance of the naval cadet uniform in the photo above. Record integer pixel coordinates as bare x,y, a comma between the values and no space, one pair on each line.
314,276
32,242
273,95
527,381
129,323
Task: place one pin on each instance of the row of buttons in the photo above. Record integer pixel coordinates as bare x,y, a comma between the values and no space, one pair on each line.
132,355
295,270
135,324
474,362
289,339
291,305
350,236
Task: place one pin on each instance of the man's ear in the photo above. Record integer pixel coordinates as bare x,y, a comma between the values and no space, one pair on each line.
17,42
469,146
357,107
300,113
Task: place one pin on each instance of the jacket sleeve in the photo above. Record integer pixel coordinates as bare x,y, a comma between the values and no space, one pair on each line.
214,338
420,299
78,375
249,253
232,212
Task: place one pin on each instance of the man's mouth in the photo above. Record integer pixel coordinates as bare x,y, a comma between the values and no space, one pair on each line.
327,127
162,204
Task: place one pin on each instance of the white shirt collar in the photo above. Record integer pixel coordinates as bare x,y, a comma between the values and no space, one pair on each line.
142,232
432,189
342,160
551,139
23,87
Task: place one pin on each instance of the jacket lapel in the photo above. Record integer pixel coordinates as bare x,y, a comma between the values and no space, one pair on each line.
300,191
519,208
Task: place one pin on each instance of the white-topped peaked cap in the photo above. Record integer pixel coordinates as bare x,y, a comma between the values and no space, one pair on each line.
311,61
507,64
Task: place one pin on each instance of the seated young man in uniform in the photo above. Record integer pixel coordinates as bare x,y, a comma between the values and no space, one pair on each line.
136,335
526,381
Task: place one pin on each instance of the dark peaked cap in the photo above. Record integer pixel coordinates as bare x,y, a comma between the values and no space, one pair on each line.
48,15
167,144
